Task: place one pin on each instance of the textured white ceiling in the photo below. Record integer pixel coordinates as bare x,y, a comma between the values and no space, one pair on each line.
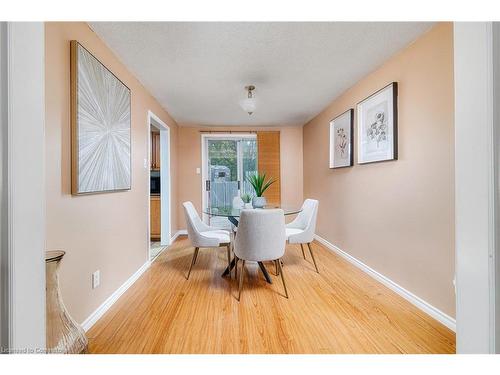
198,70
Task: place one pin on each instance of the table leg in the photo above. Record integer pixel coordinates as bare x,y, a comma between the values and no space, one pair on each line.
228,269
233,220
264,271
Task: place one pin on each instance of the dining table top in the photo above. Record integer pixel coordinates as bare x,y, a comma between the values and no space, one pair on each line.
235,212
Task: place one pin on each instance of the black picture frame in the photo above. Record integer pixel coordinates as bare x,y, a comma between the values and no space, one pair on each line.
350,141
392,126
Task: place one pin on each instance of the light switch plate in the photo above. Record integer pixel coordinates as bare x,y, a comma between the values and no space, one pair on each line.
198,171
96,279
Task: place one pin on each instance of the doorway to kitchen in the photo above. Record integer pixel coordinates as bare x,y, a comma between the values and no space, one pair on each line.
159,215
228,160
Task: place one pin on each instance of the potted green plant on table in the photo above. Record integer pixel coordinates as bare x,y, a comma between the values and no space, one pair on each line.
247,199
260,185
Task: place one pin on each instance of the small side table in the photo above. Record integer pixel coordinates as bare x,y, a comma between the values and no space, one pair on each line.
64,335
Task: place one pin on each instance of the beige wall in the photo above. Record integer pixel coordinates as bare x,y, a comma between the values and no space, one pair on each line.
397,217
103,231
189,156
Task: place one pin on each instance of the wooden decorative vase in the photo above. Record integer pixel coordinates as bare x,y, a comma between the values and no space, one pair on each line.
64,335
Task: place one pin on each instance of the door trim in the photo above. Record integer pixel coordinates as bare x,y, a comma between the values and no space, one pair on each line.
476,186
165,175
204,170
23,176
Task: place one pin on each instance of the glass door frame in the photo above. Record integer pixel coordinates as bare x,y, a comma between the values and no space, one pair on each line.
204,161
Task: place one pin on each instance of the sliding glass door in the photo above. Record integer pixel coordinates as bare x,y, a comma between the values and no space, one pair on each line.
229,161
248,161
223,180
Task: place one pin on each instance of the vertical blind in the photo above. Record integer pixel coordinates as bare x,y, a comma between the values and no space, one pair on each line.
268,151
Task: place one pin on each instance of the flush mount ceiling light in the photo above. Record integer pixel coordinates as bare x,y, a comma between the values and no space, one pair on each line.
249,104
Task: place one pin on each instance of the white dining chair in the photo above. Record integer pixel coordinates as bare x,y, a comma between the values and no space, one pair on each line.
302,229
261,237
202,235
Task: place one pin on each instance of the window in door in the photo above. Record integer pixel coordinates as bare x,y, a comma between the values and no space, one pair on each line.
230,160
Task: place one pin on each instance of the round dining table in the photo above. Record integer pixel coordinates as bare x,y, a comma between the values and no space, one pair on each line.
233,214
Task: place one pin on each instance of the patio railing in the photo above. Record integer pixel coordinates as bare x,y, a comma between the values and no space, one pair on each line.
223,193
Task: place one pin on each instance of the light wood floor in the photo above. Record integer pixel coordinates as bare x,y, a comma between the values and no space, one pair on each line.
340,310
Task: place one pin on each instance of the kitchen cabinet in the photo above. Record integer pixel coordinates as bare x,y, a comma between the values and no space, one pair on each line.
155,219
155,151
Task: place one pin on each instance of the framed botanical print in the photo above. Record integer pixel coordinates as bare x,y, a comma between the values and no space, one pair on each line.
100,126
377,118
341,140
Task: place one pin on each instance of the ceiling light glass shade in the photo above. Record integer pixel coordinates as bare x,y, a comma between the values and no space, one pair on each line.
248,105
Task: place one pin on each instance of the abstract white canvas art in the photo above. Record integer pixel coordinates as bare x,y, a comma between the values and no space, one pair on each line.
101,158
377,126
341,140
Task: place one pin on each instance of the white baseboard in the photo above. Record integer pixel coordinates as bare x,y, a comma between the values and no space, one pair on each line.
412,298
426,307
172,239
182,232
94,317
177,234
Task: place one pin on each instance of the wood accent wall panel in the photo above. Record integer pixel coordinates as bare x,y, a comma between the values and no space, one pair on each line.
268,150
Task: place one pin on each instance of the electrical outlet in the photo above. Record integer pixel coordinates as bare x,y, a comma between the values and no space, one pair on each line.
198,171
96,279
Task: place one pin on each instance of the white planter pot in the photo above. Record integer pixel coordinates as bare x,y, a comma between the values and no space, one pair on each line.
259,202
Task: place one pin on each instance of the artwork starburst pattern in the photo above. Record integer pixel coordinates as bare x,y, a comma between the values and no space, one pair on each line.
102,129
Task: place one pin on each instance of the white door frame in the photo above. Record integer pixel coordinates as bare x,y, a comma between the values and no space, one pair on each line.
23,186
495,261
476,60
204,169
165,180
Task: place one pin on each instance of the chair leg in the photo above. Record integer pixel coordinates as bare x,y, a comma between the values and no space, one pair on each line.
236,260
195,256
280,270
229,259
241,279
303,252
276,268
193,261
312,256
